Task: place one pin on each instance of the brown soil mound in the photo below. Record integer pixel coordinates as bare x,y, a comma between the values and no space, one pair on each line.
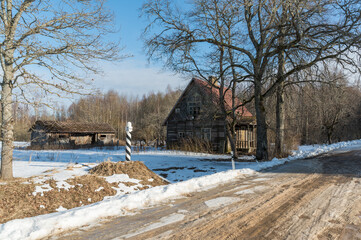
134,169
17,199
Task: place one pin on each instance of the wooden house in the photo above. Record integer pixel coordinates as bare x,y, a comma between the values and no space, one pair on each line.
197,114
71,134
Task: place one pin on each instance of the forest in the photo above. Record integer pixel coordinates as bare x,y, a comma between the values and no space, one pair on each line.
316,112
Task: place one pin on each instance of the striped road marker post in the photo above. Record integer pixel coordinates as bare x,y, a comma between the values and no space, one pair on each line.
128,147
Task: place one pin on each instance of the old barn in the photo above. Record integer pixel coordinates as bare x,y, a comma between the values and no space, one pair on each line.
71,134
197,115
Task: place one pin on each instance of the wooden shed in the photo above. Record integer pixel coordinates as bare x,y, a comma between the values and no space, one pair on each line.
71,134
197,115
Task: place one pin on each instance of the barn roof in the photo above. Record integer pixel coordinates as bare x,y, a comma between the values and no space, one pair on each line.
72,127
213,92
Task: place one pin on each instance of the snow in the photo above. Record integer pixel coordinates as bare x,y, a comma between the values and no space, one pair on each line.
221,201
188,173
120,178
173,218
42,189
43,225
61,209
175,166
251,190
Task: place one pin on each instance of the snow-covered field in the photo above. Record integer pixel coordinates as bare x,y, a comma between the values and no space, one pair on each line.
189,172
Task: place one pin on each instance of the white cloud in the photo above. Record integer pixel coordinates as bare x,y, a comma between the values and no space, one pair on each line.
135,78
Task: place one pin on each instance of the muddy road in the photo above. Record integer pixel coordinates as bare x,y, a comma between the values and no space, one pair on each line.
306,199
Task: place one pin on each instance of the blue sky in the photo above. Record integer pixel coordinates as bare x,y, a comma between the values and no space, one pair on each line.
133,76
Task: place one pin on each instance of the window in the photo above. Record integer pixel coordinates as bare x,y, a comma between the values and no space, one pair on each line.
62,136
103,136
206,133
189,134
194,105
181,135
177,110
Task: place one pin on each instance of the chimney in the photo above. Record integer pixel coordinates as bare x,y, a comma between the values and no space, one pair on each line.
213,80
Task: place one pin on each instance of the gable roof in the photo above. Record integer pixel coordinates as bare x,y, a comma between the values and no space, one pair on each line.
213,92
73,127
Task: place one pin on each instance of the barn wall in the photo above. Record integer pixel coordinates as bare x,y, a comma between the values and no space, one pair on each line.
176,130
38,137
81,140
105,138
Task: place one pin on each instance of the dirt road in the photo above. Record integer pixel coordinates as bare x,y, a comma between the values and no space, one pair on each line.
306,199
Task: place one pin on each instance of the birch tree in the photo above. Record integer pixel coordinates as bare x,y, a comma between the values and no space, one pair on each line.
48,46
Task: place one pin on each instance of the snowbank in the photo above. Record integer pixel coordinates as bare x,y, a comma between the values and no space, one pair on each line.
310,151
41,226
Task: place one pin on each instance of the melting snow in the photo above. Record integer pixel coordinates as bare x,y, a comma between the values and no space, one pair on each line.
61,209
120,178
251,190
221,201
173,218
42,189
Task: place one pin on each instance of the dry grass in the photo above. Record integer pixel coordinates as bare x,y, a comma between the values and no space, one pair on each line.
17,199
135,170
193,145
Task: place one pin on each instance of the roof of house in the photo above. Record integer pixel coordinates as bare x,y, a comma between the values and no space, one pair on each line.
73,127
213,91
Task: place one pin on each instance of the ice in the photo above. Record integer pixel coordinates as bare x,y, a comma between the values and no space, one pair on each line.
173,218
221,201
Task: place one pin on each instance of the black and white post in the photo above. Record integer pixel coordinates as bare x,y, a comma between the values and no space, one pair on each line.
128,147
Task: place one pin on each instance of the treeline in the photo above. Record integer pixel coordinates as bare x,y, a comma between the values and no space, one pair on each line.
315,112
318,112
146,114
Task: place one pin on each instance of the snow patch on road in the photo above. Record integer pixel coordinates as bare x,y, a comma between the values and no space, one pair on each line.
251,190
164,221
221,202
259,179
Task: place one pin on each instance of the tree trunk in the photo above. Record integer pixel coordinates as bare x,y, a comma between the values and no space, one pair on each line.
262,151
280,120
280,112
329,136
7,131
231,138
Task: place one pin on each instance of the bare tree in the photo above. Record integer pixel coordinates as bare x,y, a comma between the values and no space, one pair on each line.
44,44
261,34
183,41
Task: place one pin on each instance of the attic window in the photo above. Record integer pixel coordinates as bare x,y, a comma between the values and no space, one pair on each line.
177,110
